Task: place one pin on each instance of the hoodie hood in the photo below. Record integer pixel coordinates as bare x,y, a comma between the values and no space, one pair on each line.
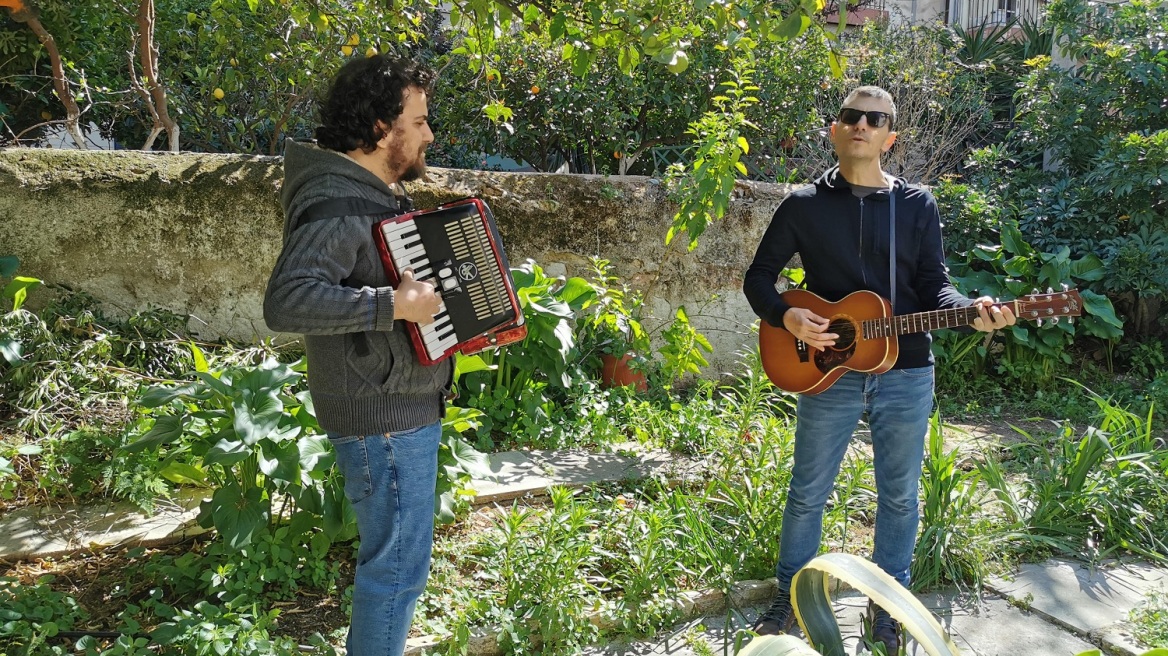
833,180
313,174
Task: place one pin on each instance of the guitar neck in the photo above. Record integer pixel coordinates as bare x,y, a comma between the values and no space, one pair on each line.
923,322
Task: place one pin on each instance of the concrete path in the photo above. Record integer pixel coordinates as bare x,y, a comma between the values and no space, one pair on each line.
53,531
1055,608
991,627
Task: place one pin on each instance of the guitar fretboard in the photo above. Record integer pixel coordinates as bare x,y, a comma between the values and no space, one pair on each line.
923,322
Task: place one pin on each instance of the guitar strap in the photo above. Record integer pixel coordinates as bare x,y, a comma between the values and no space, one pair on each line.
892,245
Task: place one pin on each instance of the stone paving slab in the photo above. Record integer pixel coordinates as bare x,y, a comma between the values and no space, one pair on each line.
51,531
529,473
1079,597
989,627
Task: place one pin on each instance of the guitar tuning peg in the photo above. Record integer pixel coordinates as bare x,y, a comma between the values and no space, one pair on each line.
1039,322
1049,290
1034,291
1065,286
1055,320
1071,320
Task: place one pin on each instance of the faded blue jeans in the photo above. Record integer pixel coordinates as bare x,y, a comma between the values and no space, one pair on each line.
899,403
390,481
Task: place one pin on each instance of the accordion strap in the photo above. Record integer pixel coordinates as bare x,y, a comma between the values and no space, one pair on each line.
332,208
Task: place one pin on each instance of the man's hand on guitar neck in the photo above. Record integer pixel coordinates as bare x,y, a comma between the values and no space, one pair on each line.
991,316
809,327
415,300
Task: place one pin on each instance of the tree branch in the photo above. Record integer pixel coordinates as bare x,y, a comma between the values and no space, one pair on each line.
60,84
148,52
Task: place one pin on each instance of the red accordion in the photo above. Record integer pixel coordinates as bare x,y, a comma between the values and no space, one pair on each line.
457,248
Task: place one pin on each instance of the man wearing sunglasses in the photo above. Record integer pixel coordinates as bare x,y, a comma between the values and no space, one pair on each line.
840,226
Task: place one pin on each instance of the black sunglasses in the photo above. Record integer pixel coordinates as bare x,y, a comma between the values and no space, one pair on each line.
849,116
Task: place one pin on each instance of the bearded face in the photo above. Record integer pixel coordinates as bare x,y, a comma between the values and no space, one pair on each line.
405,157
404,164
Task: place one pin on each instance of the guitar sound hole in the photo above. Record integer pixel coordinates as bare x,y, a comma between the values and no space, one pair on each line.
844,348
847,334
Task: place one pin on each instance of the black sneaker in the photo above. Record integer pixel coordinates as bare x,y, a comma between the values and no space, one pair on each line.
778,619
883,629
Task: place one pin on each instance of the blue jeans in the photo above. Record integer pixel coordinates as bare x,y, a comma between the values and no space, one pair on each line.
390,481
899,403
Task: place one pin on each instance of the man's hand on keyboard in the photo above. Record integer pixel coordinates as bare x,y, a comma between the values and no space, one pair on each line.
415,300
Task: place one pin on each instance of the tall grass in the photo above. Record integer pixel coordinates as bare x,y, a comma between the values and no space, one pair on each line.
1093,495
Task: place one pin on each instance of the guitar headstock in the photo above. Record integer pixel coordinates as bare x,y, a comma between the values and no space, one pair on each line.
1036,307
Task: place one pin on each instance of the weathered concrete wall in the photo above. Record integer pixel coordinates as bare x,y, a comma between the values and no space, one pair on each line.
198,234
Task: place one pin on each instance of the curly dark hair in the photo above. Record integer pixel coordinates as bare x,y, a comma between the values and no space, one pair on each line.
366,90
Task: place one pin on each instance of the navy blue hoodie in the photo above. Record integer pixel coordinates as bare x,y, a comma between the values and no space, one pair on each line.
842,241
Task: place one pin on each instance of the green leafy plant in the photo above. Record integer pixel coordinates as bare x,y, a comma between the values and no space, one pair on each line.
703,187
210,630
1092,496
1014,269
30,615
458,462
959,532
611,317
1150,619
248,433
682,348
517,387
16,289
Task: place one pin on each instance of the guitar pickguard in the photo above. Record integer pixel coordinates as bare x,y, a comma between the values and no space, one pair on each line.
845,344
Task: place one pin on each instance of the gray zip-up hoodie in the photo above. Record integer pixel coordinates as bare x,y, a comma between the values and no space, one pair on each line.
330,285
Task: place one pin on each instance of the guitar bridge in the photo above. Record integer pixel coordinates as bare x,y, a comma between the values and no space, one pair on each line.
801,350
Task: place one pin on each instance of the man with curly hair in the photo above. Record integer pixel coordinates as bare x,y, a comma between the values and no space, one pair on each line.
380,407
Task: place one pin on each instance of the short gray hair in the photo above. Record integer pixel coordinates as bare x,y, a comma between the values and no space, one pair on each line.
871,92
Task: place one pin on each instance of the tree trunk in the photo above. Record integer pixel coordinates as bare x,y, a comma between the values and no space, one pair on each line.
154,92
60,84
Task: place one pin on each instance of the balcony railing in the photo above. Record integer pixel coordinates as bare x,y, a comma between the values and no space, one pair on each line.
992,13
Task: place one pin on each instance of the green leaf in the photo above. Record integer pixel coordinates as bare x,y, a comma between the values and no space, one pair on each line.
471,460
777,645
181,473
166,429
813,608
18,290
253,5
837,62
576,292
257,416
466,364
793,25
280,461
226,452
316,453
1089,268
239,515
200,359
1013,241
444,508
10,349
1100,307
628,59
156,397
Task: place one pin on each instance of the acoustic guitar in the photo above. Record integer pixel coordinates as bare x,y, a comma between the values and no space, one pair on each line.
868,334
